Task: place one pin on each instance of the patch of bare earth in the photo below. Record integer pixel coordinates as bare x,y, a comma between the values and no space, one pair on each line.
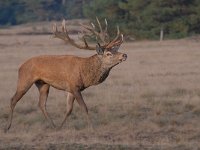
151,101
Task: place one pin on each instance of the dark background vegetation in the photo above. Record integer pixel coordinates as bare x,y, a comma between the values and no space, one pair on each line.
142,19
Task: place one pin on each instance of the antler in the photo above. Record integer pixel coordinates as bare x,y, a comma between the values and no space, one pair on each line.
116,41
103,34
64,35
100,35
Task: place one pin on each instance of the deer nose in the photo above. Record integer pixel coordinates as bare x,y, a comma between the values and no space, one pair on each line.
124,55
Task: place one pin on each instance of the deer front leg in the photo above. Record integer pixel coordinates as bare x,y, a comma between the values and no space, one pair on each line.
70,102
79,98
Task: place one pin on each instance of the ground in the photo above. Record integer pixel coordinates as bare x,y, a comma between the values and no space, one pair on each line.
150,101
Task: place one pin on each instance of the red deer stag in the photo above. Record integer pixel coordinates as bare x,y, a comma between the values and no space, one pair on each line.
69,73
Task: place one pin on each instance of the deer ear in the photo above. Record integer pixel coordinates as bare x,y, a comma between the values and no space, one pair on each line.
99,49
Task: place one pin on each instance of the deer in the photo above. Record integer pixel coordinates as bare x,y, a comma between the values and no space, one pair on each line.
69,73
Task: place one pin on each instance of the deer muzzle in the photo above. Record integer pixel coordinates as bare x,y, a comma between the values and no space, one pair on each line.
123,57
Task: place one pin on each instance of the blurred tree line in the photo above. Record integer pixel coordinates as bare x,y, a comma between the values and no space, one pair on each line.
14,12
141,18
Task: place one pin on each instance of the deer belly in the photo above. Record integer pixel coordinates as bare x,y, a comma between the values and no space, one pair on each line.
58,84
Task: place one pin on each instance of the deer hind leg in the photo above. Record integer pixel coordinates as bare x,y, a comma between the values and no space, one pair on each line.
83,106
22,87
44,91
70,102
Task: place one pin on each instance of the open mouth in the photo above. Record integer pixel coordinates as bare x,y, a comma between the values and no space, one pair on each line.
123,59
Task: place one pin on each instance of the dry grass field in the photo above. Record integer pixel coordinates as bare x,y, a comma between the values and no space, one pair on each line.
151,101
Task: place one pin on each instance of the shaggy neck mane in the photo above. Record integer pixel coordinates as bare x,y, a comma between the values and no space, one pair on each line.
94,71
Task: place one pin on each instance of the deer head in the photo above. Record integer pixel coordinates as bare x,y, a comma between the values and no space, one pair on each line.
107,51
109,54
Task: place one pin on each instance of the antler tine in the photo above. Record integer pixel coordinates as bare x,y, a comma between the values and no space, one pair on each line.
56,33
54,27
122,37
98,35
93,25
85,42
106,28
121,40
90,29
63,26
79,35
101,34
118,33
64,35
83,38
116,40
100,28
